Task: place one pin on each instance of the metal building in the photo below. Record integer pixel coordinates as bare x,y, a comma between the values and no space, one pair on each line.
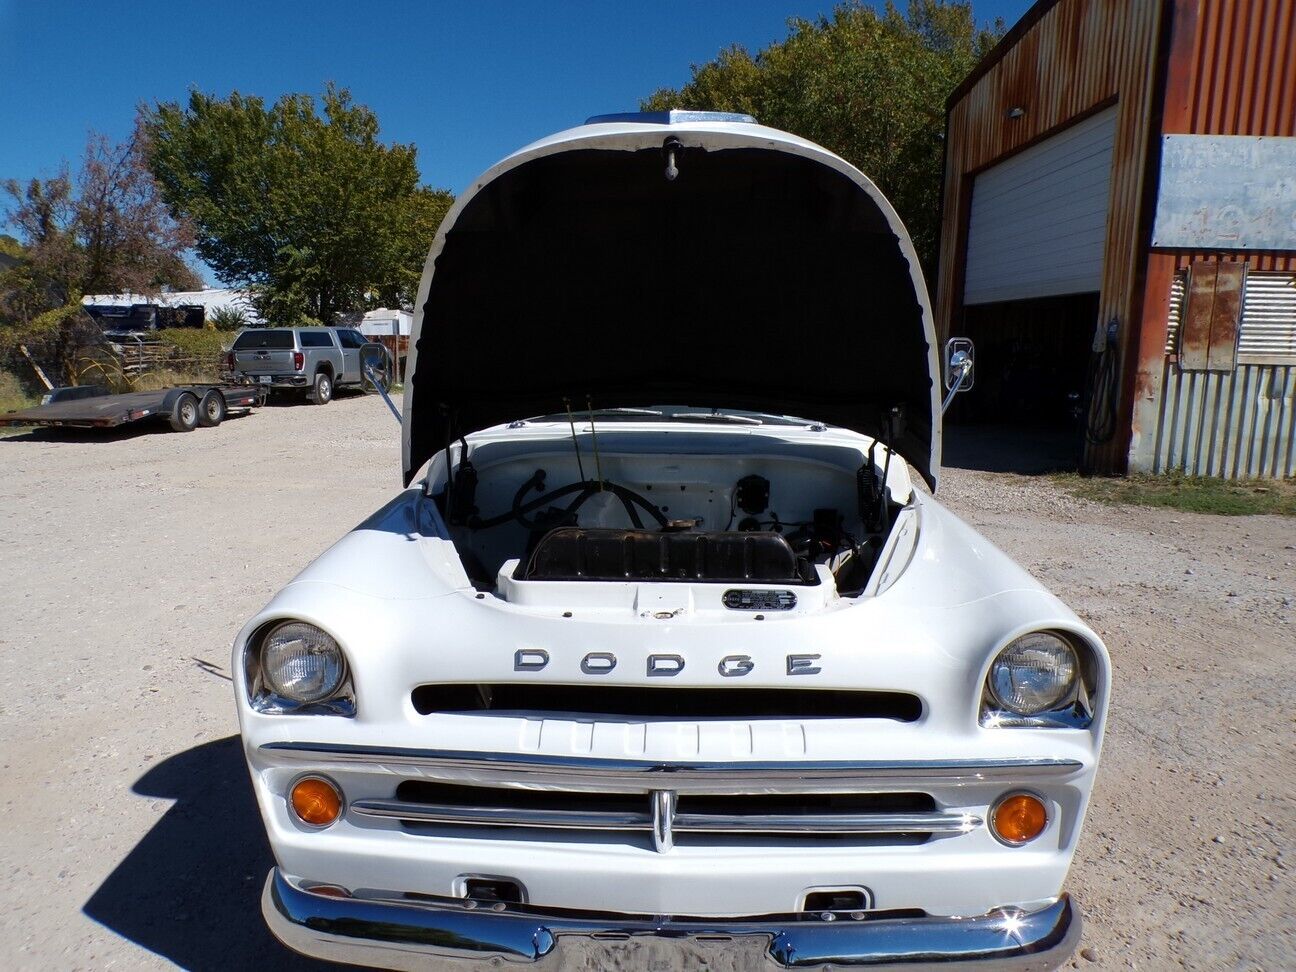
1119,232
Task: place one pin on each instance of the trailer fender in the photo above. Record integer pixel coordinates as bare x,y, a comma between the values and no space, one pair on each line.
169,400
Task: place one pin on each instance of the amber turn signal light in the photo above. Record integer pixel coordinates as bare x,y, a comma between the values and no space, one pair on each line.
1018,818
315,801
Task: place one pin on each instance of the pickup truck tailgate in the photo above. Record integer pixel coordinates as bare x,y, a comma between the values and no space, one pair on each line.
264,352
263,362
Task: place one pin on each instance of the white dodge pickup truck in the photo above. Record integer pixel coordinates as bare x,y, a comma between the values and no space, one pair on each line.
703,684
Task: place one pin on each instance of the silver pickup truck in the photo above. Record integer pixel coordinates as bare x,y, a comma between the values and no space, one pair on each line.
314,359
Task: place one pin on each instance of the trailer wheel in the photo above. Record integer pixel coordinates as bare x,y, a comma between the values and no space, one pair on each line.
322,391
184,413
212,409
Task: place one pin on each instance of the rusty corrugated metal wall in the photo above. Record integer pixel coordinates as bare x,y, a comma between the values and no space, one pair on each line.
1239,424
1213,67
1231,70
1074,57
1239,78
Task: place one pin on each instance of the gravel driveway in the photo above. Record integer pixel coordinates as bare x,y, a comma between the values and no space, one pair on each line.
130,838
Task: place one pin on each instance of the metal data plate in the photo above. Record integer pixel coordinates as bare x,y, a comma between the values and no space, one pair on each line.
1226,192
744,599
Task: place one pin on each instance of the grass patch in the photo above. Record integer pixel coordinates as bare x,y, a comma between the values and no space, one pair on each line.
1195,494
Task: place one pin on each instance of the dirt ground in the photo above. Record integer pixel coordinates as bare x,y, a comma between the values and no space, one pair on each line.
128,562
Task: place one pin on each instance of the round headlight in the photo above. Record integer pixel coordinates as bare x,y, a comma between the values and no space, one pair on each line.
1034,673
302,663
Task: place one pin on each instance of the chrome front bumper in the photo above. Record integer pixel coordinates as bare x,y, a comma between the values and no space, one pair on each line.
454,933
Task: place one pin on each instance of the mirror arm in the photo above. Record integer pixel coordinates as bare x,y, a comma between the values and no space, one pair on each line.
964,367
373,376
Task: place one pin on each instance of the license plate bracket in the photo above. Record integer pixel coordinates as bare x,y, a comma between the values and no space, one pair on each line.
688,953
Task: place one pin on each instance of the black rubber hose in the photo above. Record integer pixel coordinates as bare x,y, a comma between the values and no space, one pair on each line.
579,501
518,512
535,482
628,499
884,514
622,494
634,497
631,512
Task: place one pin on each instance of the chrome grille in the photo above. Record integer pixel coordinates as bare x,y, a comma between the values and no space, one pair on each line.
868,801
665,815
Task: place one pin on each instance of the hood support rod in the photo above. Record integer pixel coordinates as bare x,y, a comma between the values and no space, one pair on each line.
571,421
373,376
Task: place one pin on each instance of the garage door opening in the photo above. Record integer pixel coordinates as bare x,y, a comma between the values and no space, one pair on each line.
1036,236
1024,412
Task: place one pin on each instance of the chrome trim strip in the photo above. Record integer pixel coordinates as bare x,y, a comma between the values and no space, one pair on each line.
663,814
827,823
501,816
450,933
538,772
663,820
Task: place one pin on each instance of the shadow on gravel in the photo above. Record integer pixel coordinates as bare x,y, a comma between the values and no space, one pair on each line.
289,398
999,448
119,433
190,891
97,436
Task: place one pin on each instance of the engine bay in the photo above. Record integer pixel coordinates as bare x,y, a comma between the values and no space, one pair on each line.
668,506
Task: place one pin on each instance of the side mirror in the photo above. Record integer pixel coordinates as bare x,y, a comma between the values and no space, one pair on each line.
960,370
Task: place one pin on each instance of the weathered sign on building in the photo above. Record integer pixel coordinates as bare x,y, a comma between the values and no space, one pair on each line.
1226,192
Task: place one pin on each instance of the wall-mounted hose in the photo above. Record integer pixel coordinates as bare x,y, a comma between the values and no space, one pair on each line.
1102,387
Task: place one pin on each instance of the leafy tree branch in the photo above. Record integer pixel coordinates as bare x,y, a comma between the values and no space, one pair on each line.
869,86
308,208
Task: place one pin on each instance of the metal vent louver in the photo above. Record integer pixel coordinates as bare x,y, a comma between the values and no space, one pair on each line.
1268,332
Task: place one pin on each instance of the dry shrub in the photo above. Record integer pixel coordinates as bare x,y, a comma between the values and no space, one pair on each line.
165,378
98,366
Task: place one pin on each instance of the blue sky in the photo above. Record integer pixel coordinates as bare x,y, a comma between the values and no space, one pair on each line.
466,82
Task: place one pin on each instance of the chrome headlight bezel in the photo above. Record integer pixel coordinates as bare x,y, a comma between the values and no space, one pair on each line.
264,699
1073,710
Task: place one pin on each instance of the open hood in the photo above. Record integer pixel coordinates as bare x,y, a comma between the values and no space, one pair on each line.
766,274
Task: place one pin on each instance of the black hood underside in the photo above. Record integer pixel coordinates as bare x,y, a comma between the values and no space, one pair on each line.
757,279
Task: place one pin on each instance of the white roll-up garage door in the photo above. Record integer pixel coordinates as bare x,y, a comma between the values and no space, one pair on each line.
1039,219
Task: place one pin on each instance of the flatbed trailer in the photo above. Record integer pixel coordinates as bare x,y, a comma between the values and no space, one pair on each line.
183,407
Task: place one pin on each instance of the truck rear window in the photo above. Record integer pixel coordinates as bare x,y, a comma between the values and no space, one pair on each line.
277,339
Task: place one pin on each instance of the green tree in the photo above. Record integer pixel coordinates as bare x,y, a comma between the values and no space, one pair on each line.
311,211
869,86
105,230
